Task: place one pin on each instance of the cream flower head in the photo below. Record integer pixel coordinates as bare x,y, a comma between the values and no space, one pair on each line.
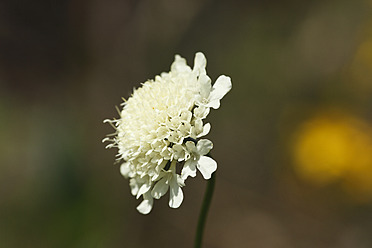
160,128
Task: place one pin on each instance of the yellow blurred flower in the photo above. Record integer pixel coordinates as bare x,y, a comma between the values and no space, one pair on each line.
334,147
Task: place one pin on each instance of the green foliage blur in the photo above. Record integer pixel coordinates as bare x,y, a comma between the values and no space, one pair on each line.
65,65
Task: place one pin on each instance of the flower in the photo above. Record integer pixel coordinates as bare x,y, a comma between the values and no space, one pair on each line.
335,147
159,130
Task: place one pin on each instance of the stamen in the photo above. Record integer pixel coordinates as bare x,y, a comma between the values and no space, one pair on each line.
118,110
110,122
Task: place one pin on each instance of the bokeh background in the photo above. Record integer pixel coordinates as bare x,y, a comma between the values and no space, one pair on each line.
293,139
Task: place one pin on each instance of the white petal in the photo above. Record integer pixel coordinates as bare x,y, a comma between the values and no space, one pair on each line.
204,146
200,63
201,112
162,132
206,166
186,116
180,181
179,152
184,129
220,88
156,176
125,169
146,205
206,129
160,188
197,128
179,65
143,189
190,146
176,194
189,169
133,186
205,86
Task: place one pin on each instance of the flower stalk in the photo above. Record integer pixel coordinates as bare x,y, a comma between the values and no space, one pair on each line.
204,211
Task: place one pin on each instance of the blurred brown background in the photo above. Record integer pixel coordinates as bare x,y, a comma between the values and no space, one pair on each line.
292,139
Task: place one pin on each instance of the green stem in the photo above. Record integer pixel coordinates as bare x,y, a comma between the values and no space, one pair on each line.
204,211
